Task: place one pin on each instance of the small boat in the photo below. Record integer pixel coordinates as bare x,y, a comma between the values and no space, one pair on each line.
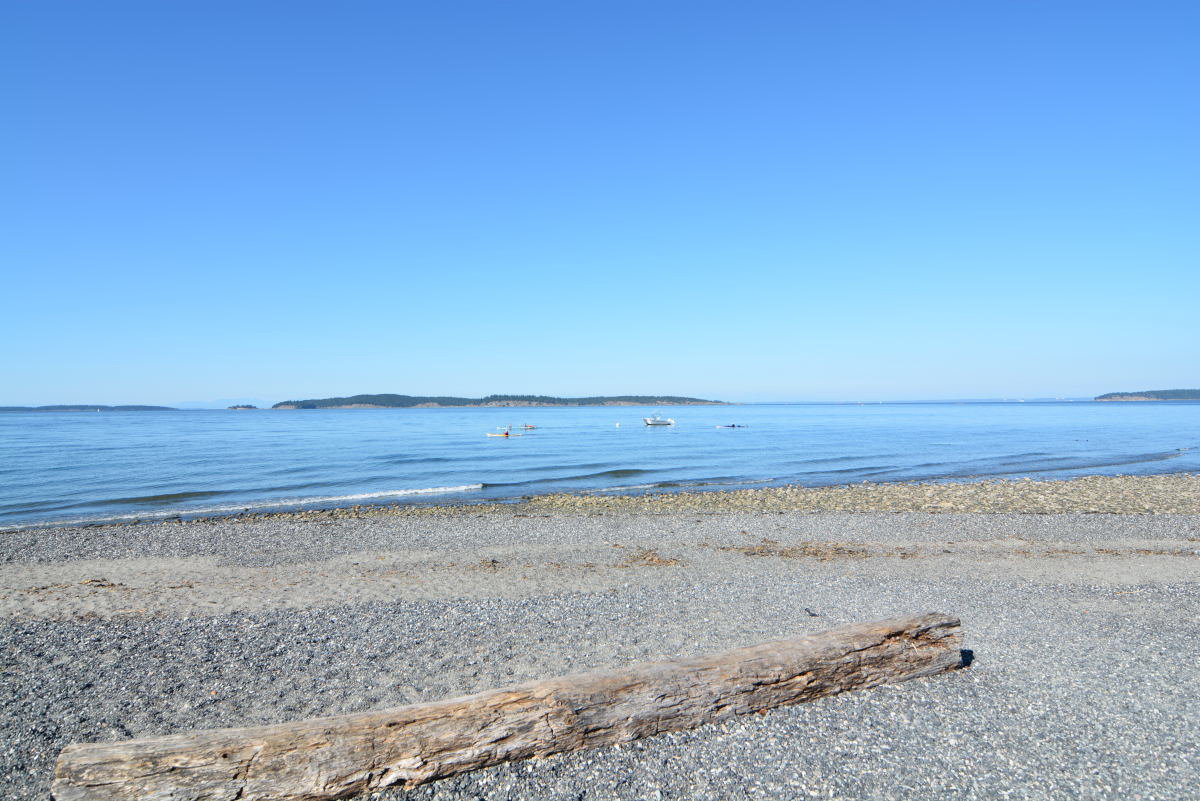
528,427
733,425
658,420
504,434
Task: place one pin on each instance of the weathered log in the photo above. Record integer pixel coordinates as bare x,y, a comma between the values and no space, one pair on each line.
338,757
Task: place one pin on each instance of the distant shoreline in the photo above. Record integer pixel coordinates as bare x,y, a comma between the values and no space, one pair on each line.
397,402
1152,395
511,401
1164,493
1141,398
391,401
504,405
88,407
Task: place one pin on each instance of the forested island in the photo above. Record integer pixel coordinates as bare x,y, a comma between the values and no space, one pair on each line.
87,407
388,401
1152,395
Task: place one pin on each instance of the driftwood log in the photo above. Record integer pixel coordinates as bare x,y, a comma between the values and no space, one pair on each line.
343,756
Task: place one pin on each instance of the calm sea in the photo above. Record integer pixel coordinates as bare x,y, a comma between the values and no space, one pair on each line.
60,467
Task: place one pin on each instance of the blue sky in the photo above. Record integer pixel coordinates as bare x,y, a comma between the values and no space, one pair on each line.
744,201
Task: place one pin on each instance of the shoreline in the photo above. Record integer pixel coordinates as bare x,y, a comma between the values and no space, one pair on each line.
1168,493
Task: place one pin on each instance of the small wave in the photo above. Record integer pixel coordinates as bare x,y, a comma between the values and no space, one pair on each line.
1069,463
722,481
1062,464
699,483
251,506
836,459
170,497
546,468
369,495
868,469
294,487
619,473
1045,460
34,507
632,487
418,459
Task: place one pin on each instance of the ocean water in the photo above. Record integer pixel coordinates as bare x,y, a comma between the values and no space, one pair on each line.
71,467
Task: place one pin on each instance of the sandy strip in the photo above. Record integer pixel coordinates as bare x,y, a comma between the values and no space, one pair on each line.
502,556
1084,625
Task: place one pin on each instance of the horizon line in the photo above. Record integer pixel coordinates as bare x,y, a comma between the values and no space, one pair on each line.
793,401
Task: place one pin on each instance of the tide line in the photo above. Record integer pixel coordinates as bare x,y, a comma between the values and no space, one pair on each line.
249,506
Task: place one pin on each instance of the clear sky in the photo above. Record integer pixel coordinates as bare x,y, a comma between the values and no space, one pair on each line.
745,201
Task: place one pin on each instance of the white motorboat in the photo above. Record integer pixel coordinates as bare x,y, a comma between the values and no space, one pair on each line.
658,420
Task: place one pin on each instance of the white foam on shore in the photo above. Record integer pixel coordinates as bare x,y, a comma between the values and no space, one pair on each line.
624,488
163,514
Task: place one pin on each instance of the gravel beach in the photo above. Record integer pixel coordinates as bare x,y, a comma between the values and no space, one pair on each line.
1080,601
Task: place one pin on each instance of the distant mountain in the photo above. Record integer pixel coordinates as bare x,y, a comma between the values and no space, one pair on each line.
1152,395
413,401
93,407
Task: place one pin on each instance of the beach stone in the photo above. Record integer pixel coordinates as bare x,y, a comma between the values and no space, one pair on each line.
1069,592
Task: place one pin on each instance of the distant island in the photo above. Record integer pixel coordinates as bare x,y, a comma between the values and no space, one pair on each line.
1152,395
87,407
242,406
434,402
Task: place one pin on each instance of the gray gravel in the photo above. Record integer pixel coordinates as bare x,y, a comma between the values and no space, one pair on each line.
288,539
1083,627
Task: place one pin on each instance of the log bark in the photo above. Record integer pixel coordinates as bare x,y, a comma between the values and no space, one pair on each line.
343,756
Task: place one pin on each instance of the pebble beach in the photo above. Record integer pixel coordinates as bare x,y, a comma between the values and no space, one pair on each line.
1079,600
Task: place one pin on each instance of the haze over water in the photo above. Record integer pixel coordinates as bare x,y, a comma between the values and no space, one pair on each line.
110,466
